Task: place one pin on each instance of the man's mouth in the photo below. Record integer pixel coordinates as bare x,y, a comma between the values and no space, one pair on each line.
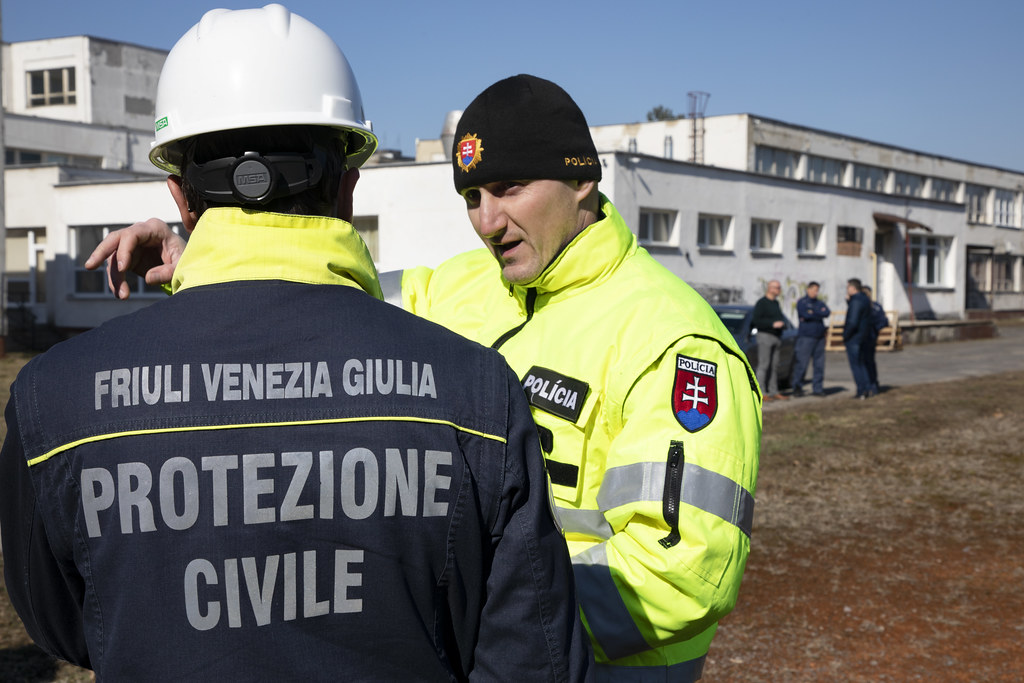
501,250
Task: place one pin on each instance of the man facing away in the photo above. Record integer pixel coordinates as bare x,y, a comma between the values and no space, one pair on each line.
301,482
648,413
857,335
810,341
879,321
767,319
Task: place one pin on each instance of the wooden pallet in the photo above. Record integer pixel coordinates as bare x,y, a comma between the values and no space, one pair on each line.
889,339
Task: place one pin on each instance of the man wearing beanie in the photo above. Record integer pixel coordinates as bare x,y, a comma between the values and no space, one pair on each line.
648,414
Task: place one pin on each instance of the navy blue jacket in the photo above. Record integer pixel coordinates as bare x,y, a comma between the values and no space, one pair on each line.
812,314
857,326
879,319
301,483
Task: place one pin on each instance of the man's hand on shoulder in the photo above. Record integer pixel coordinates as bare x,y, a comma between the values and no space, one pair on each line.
149,249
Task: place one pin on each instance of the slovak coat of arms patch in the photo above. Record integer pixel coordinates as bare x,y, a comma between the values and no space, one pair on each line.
694,392
470,148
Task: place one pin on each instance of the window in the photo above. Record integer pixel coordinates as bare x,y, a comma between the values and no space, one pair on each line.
763,235
808,238
51,86
848,240
24,157
1003,267
656,226
1004,209
909,184
944,190
366,226
713,231
869,178
827,171
977,197
632,146
84,240
928,259
668,146
771,161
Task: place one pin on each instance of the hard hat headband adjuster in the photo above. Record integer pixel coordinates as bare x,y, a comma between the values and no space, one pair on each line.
253,178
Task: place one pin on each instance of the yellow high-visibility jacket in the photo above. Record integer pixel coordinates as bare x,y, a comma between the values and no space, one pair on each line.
650,419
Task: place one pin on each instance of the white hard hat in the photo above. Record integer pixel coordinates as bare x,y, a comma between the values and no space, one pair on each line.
256,67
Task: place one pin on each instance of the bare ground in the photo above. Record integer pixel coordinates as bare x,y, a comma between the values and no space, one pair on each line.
887,544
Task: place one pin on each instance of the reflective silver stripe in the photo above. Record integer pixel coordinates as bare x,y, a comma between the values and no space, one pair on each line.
718,495
684,672
702,488
641,481
610,622
391,286
586,522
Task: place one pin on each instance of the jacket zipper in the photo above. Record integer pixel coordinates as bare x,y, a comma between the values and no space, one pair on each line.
531,299
673,493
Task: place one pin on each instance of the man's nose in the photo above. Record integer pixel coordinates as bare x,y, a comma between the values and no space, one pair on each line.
491,216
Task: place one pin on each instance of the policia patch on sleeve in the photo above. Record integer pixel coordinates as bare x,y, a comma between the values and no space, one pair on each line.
695,392
555,393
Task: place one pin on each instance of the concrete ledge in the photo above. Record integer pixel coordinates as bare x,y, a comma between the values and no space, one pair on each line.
930,331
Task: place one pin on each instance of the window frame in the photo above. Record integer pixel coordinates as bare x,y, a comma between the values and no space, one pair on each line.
825,170
819,243
765,227
774,161
1004,208
976,200
670,217
865,177
725,229
49,96
929,254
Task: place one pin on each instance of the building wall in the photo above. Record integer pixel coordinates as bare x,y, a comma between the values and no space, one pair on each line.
738,272
54,53
124,81
421,219
109,124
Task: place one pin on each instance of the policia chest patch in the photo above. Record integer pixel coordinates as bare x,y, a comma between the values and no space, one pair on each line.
555,393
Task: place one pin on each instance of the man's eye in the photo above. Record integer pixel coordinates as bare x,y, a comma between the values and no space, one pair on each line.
471,196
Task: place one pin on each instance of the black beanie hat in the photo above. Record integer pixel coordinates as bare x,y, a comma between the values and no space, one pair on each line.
523,128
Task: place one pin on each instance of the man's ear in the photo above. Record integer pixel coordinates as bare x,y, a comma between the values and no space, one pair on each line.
346,188
189,218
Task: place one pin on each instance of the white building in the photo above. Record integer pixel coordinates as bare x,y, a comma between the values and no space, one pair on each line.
770,200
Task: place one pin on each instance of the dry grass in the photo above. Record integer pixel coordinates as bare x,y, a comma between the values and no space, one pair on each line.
887,541
887,544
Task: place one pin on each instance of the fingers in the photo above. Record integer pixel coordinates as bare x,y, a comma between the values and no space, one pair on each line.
160,275
103,250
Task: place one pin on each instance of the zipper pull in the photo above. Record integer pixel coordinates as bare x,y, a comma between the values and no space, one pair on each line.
673,493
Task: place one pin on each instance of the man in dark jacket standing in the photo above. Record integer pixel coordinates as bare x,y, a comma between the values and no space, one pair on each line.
769,323
857,334
879,321
300,482
810,341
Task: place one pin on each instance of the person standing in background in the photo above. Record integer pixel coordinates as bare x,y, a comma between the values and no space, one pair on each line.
769,323
857,334
879,321
810,341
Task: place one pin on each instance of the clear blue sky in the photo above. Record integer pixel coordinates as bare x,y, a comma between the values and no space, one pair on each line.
937,76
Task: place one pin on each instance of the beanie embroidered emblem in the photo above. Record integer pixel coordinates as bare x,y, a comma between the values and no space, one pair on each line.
470,148
534,131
